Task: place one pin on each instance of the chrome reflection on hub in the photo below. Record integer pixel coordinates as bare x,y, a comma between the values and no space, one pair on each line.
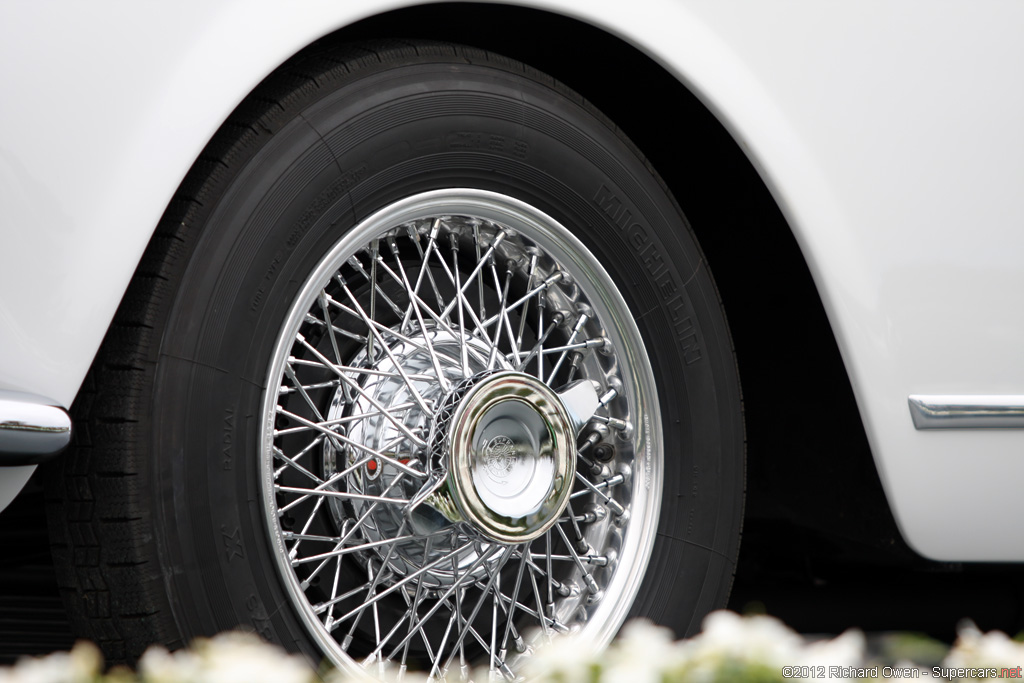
511,463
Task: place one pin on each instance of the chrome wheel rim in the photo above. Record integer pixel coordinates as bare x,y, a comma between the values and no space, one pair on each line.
460,448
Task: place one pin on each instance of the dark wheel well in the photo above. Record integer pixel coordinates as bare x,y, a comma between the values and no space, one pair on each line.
806,440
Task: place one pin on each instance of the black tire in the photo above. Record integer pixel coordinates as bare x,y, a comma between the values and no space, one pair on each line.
158,532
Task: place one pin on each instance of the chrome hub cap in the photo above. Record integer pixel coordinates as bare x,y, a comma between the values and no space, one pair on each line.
459,440
511,461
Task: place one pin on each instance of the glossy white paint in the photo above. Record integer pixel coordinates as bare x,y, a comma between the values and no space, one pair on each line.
889,133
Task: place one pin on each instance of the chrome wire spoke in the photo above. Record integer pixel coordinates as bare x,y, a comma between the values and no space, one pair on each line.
422,570
412,383
455,614
513,602
478,330
353,370
503,288
542,335
424,268
359,390
374,248
494,625
336,599
414,607
536,291
335,478
599,487
289,535
289,372
470,630
549,606
419,307
310,387
578,346
334,592
462,303
476,608
387,349
435,664
538,350
523,314
450,360
597,560
332,328
280,455
360,547
461,291
305,527
341,494
327,424
542,618
580,542
370,593
497,656
358,265
342,439
454,277
562,589
346,535
479,282
329,324
548,624
580,322
461,623
454,588
587,577
306,493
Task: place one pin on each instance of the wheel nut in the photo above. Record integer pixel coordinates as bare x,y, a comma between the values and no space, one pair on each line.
604,452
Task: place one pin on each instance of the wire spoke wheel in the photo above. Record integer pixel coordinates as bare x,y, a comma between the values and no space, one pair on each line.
457,451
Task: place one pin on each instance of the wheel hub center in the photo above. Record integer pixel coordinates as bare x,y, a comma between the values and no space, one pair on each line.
510,456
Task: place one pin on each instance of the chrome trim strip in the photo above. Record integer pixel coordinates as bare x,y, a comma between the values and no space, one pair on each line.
967,412
32,428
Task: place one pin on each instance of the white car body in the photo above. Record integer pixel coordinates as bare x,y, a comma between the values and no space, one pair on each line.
889,134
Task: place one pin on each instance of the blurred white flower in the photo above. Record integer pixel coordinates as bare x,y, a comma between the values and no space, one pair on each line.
157,665
846,650
984,650
756,638
374,673
567,659
86,661
227,658
81,665
244,658
642,654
